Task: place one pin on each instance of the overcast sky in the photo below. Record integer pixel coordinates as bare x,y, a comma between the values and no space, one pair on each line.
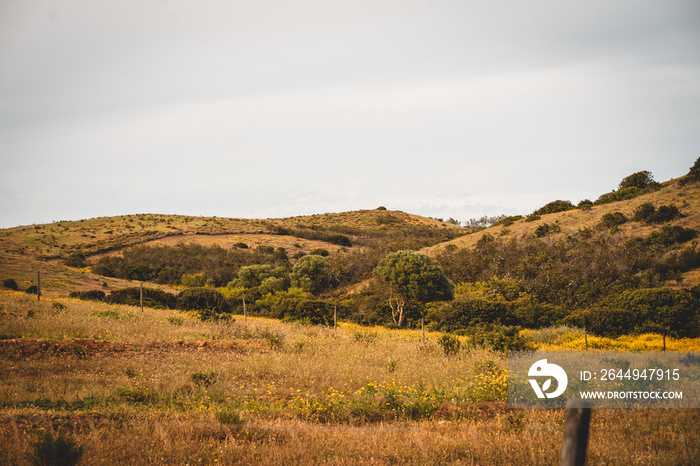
273,108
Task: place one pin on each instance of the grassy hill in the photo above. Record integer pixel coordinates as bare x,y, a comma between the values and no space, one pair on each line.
27,249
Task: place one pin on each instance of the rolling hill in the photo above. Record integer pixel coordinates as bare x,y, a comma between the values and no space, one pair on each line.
50,247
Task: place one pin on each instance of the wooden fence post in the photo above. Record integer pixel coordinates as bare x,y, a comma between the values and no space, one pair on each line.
245,311
578,419
38,286
335,317
422,328
141,296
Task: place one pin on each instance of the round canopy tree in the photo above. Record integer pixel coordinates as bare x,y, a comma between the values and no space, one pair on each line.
412,277
310,273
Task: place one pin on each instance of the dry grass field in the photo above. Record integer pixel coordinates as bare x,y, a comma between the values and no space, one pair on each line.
161,387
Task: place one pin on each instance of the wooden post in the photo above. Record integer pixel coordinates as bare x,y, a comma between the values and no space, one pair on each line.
664,342
578,419
141,296
335,317
38,286
422,328
245,311
585,337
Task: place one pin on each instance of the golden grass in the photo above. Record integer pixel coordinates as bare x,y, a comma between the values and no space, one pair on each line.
159,387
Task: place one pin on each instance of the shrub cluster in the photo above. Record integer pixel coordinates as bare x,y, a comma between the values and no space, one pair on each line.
554,207
649,214
659,310
612,220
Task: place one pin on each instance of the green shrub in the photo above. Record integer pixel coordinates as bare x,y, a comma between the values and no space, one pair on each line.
58,451
640,180
554,207
612,219
610,322
90,295
508,221
585,204
675,310
693,175
339,240
193,280
649,214
669,235
208,303
75,260
546,229
156,299
643,212
10,283
231,418
503,339
450,344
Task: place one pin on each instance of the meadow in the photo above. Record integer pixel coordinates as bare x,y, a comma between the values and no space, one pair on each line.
163,387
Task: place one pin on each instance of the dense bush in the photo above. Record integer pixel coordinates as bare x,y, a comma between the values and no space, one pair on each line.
75,260
693,175
90,295
502,338
208,303
546,229
630,187
676,311
450,344
610,322
612,219
167,264
470,312
297,306
640,180
152,298
669,235
554,207
10,283
649,214
310,274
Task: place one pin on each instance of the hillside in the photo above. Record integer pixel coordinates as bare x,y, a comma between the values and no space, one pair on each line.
27,249
685,198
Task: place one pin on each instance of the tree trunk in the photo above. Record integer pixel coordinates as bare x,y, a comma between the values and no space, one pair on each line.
397,313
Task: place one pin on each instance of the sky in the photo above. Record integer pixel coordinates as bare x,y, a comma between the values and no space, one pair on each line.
276,108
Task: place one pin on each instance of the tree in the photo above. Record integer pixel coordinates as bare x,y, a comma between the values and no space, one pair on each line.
412,277
640,180
693,175
311,273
